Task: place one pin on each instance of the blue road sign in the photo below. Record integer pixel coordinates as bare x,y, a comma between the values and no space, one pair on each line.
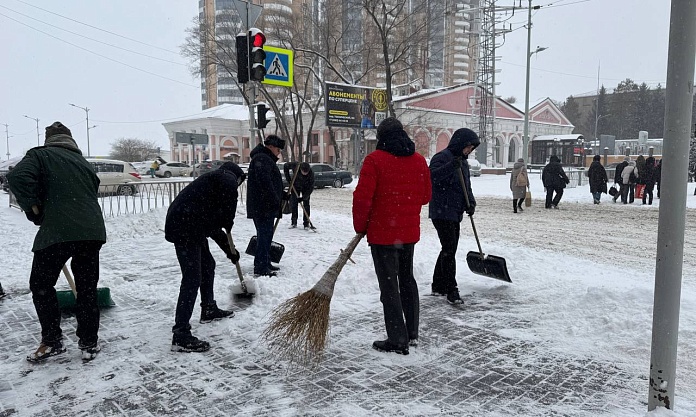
278,66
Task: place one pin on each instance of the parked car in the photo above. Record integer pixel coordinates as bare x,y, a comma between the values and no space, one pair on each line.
143,168
115,176
174,169
207,166
326,175
474,167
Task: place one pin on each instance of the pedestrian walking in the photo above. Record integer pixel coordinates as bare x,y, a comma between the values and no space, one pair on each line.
598,179
264,199
648,179
394,184
302,191
555,180
519,182
57,189
201,211
629,178
617,176
448,206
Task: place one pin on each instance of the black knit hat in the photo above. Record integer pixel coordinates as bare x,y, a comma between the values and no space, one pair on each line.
596,158
57,128
389,125
274,140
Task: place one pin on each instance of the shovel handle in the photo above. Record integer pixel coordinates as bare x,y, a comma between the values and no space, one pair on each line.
466,199
69,278
239,267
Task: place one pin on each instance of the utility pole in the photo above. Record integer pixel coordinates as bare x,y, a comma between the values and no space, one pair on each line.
7,134
89,153
525,135
38,140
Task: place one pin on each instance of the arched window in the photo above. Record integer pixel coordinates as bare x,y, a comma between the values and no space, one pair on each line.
512,154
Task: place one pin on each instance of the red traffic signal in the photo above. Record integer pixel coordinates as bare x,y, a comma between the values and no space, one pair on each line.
257,56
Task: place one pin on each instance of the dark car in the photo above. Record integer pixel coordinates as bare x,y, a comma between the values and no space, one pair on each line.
326,175
208,166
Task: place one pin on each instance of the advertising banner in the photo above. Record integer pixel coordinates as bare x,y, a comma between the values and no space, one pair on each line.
355,106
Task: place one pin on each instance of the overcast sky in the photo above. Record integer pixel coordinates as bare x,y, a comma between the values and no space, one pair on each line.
129,95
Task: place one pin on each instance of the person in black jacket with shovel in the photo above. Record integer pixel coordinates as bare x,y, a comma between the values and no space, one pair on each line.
264,198
448,206
302,191
201,210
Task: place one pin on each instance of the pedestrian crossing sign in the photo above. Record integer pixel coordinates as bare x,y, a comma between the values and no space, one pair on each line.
278,66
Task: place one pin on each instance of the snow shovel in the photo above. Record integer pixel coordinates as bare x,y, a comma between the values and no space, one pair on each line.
277,249
246,288
67,299
490,266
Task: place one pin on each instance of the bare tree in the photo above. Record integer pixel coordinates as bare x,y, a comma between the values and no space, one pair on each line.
133,149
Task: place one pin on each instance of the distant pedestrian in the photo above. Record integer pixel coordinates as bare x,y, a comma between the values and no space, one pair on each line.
57,189
555,180
264,198
648,179
302,191
448,206
154,166
519,182
617,176
629,178
201,211
658,177
598,179
394,184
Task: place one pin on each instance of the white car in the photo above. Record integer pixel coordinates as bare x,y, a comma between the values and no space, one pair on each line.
173,169
116,177
143,168
474,167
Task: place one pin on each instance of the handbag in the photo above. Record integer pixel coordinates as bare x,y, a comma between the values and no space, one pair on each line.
640,190
613,191
528,199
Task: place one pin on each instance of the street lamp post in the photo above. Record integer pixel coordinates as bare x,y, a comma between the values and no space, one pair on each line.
7,135
38,141
525,141
88,126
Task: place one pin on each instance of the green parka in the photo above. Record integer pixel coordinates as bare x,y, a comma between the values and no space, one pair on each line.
62,184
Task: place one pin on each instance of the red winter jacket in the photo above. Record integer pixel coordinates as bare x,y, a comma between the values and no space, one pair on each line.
388,198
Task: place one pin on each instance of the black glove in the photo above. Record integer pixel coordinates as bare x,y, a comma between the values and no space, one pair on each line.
37,219
470,210
457,163
233,255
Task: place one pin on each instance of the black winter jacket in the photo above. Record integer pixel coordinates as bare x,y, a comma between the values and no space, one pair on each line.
447,202
598,178
204,207
304,184
553,175
264,184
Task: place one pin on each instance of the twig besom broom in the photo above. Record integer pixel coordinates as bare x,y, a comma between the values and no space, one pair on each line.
299,327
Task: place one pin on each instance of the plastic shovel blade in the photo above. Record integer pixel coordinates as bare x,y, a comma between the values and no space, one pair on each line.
490,266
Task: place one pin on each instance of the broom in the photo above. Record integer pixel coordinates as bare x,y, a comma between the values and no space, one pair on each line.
299,327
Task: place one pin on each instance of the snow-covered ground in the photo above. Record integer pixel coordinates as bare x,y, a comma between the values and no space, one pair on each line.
583,279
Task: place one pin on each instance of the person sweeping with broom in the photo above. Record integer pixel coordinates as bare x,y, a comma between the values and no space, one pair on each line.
394,185
201,210
57,189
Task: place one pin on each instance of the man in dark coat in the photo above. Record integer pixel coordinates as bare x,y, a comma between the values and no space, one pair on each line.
617,175
598,179
448,206
264,198
201,211
394,185
302,190
57,189
649,179
554,179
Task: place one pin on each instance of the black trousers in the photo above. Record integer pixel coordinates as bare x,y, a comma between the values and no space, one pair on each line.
45,271
648,193
550,198
398,291
294,206
444,276
628,193
197,271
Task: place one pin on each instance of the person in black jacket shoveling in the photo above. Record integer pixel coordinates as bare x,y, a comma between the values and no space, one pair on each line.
302,191
264,199
201,210
57,189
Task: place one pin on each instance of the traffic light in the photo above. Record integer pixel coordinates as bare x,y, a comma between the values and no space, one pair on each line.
257,61
242,58
261,120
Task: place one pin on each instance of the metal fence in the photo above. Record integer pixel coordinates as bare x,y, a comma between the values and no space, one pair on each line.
149,195
575,175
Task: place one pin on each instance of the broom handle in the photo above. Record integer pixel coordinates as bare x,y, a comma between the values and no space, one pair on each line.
69,278
466,199
239,267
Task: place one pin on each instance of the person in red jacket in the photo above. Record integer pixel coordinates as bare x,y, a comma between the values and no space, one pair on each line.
394,184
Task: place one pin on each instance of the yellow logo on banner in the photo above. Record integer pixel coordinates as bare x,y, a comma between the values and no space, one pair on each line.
379,99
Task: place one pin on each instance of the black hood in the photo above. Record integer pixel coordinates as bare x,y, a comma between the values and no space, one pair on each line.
261,148
461,139
396,142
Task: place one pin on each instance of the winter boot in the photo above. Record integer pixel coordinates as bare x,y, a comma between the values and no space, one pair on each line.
387,346
274,268
89,352
293,226
189,343
514,206
2,292
413,342
454,298
45,351
211,312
